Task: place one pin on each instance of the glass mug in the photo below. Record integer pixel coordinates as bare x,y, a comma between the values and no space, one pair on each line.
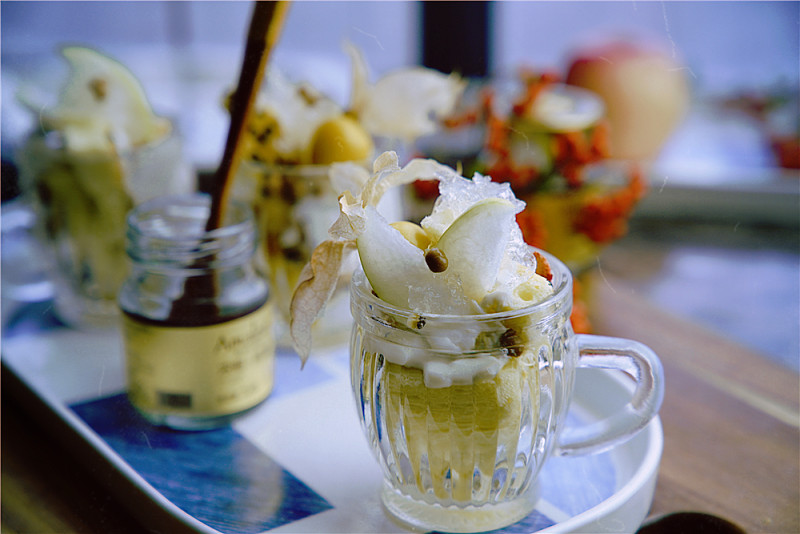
461,435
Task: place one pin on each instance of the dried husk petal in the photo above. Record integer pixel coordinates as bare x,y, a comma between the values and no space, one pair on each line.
404,104
348,176
315,287
320,276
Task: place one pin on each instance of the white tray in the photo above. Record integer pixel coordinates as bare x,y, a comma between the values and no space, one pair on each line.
299,462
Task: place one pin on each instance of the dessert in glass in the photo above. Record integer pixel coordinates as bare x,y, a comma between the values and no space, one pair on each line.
462,352
294,135
96,154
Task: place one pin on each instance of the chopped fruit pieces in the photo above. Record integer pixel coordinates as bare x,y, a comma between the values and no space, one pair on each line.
475,242
543,267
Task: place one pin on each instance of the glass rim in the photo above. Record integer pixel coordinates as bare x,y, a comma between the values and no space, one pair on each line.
561,296
310,168
239,216
171,134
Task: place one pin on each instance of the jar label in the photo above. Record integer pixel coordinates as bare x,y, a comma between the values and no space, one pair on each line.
212,370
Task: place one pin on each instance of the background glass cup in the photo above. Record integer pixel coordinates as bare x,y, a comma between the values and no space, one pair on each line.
463,411
81,200
295,206
24,278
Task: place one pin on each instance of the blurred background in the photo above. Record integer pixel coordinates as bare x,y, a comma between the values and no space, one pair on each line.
716,238
187,53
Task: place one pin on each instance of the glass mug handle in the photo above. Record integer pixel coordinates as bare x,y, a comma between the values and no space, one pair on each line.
636,359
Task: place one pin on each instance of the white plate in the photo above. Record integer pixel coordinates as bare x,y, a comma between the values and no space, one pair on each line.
297,463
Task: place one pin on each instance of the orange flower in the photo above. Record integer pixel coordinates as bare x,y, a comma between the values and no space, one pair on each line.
600,144
426,189
534,231
534,85
604,218
579,317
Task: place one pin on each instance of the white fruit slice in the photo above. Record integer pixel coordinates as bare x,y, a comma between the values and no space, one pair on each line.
530,289
405,103
475,242
102,97
473,245
390,261
562,108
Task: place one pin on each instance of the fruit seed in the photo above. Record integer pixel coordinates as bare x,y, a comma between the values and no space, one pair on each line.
511,342
436,260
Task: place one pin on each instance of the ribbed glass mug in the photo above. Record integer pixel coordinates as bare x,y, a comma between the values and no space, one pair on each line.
463,411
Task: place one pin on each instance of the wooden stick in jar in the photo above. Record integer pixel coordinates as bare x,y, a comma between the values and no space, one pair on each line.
265,27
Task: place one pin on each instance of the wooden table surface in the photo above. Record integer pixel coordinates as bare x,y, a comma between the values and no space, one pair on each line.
730,416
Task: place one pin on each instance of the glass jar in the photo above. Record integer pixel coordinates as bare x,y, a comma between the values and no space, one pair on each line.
197,327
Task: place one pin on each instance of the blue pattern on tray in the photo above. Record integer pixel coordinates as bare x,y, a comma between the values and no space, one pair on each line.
238,488
31,318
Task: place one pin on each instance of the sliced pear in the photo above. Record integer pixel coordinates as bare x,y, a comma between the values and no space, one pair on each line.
475,242
391,262
104,95
473,245
397,271
405,103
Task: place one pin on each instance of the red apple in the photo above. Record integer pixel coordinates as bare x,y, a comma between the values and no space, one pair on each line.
645,91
